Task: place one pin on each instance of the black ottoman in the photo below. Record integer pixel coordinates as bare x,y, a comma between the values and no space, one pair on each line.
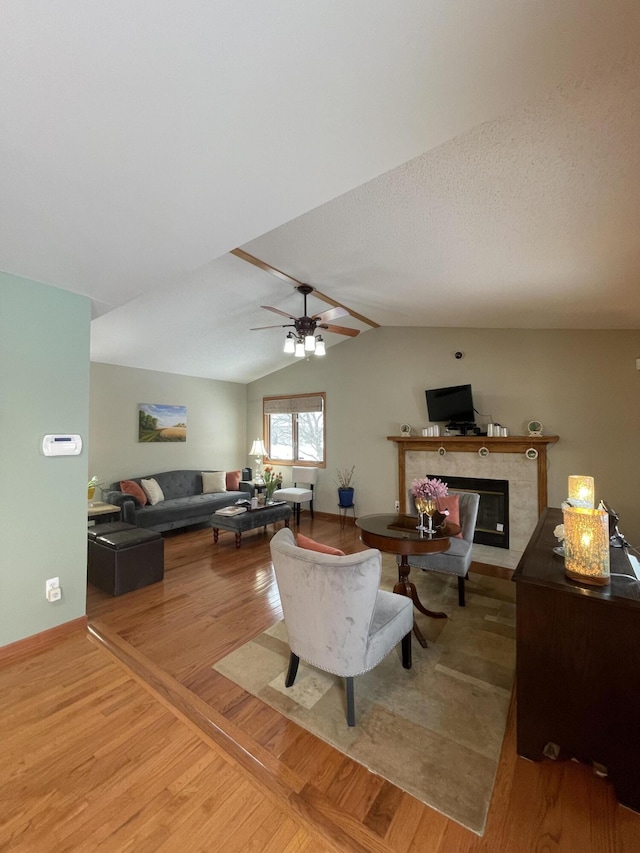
125,560
108,527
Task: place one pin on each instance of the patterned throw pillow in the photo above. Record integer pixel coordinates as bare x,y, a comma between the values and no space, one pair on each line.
152,491
130,487
312,545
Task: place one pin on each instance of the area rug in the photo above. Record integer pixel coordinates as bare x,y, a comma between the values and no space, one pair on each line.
435,730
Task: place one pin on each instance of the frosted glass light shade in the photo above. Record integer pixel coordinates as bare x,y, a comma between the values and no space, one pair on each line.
299,353
586,545
290,344
581,491
320,347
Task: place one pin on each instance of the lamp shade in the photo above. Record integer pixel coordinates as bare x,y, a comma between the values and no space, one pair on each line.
581,491
258,448
586,545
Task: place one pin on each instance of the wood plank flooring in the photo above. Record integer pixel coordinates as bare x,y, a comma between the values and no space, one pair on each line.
124,738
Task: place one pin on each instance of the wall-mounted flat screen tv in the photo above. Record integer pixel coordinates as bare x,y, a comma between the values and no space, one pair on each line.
453,404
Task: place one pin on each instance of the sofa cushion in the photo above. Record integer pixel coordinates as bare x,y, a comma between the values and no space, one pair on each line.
213,481
177,512
152,491
130,487
233,480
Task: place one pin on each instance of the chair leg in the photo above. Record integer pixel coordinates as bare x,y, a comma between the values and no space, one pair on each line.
294,660
298,514
351,709
311,507
406,651
461,601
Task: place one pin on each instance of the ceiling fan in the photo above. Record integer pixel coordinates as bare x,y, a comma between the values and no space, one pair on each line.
307,326
305,339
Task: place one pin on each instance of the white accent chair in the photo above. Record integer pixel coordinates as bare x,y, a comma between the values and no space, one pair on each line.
457,558
336,616
296,494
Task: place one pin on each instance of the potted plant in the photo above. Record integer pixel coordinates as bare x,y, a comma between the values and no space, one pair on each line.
345,489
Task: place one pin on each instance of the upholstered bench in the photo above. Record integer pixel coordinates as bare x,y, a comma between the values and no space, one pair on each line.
126,559
250,519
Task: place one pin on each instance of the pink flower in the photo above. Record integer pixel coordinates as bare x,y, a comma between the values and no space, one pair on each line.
429,488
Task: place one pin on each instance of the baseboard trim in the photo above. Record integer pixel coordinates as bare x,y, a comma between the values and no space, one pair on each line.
39,642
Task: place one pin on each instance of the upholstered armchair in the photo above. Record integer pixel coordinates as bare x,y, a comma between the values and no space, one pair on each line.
336,616
457,558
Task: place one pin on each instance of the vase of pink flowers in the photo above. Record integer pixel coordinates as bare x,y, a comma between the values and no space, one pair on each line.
426,491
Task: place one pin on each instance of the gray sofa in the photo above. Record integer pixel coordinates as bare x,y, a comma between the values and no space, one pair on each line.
184,503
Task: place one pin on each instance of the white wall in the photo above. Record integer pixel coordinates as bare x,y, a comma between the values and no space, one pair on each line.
582,385
216,423
44,388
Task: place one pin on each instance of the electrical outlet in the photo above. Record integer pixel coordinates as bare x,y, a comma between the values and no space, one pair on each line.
54,594
397,506
52,583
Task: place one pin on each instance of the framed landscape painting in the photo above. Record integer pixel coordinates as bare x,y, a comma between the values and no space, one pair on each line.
157,422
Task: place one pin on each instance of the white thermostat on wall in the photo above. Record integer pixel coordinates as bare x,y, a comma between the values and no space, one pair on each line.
62,445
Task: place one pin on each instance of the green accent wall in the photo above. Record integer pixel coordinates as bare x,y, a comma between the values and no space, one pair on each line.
44,388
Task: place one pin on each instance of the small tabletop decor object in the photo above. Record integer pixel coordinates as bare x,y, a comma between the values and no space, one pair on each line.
272,481
558,532
405,429
534,428
586,545
426,492
92,485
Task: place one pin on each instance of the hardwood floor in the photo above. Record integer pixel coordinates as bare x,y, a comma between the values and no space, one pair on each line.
123,738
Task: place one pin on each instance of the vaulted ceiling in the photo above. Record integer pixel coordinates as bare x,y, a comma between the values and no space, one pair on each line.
390,154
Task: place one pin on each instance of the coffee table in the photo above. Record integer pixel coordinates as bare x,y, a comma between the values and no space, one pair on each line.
398,534
249,520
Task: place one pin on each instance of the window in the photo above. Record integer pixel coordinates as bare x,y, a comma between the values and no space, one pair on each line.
294,429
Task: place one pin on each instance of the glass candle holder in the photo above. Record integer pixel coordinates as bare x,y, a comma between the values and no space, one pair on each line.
586,545
581,491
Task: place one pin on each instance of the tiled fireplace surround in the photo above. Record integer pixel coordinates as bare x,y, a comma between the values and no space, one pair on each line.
506,460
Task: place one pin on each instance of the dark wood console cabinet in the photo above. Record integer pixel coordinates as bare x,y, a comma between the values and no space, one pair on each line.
578,662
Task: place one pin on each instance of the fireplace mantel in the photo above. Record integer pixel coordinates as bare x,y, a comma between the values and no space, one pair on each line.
472,444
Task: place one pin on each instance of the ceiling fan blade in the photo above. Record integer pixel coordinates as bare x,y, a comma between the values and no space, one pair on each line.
340,330
331,314
277,311
279,326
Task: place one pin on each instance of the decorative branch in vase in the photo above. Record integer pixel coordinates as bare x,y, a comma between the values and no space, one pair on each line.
345,489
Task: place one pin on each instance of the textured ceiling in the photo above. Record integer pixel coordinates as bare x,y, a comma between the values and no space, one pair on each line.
387,153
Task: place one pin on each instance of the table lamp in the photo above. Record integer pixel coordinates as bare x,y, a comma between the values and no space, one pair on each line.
586,545
258,450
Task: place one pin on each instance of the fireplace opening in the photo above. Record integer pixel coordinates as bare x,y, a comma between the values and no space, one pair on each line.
492,524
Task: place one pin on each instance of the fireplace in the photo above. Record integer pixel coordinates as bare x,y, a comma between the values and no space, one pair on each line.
492,525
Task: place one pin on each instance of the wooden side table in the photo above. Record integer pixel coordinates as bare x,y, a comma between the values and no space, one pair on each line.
103,511
578,662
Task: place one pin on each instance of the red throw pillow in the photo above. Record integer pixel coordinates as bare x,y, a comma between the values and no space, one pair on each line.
233,481
452,503
312,545
130,487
